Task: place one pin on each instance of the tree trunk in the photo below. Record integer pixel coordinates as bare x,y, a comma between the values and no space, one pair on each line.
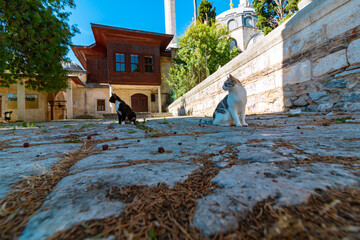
280,9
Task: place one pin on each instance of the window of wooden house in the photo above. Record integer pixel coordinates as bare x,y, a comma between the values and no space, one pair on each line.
100,105
149,64
134,63
120,62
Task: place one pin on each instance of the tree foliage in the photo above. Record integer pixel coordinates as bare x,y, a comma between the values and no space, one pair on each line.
271,13
202,50
206,12
34,40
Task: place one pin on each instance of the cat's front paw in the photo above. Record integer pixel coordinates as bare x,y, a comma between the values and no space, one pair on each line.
245,124
239,125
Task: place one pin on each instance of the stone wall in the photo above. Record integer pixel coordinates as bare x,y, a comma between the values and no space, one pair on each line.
84,99
30,115
312,61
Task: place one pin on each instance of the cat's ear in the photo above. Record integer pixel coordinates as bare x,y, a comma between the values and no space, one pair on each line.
233,79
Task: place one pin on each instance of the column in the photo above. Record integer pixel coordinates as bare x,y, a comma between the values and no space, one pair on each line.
69,101
159,99
111,104
20,101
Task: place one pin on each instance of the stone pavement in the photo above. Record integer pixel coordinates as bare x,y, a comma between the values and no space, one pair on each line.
278,155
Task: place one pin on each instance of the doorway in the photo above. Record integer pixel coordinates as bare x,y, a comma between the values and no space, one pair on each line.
139,103
1,113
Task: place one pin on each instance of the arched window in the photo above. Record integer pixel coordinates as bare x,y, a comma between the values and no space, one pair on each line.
233,44
254,39
248,22
232,24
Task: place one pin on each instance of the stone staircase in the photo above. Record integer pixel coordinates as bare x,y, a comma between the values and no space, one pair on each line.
140,115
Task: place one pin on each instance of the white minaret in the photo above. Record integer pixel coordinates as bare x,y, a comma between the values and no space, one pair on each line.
170,21
195,11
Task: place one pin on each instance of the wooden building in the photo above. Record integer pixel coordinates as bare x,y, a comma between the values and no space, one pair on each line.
130,63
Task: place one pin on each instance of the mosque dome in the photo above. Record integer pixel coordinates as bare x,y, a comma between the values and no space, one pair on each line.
242,16
71,66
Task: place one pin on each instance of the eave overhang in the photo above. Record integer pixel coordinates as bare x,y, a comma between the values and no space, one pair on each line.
104,34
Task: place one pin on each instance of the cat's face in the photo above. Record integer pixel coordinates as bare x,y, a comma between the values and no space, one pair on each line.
230,83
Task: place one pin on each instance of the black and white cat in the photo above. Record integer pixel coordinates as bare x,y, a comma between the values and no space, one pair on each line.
123,110
231,109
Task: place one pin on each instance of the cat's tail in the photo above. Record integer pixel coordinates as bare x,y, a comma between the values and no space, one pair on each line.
208,122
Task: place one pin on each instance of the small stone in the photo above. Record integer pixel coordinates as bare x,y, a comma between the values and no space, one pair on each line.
138,140
301,101
89,137
221,165
352,106
312,108
352,97
319,96
174,132
179,143
26,145
338,83
325,106
161,150
302,132
352,85
298,127
339,106
116,138
105,147
353,52
146,131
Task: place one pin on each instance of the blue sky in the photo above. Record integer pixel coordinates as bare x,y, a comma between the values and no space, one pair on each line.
135,14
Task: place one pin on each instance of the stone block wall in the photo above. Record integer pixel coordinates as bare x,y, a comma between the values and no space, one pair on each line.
312,62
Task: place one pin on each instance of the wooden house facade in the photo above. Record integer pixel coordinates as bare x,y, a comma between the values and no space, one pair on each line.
130,63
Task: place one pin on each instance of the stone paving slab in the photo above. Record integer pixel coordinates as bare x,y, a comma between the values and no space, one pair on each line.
82,196
19,162
268,158
245,185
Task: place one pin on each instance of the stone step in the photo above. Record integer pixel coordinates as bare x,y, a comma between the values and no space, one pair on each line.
139,115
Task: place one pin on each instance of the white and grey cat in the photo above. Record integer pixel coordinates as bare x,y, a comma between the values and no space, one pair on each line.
231,109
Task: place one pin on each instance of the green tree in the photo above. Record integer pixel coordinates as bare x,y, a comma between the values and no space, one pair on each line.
206,12
202,50
271,13
34,40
